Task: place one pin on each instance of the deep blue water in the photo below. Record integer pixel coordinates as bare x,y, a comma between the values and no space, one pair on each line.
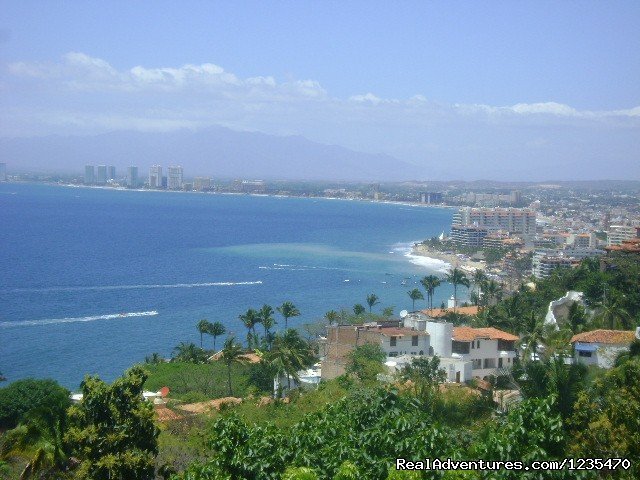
73,260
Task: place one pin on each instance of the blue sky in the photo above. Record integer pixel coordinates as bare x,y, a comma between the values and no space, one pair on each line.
423,81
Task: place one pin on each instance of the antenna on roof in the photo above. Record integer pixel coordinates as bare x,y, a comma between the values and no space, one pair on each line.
403,313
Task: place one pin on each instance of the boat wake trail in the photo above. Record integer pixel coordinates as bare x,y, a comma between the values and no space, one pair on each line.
134,287
52,321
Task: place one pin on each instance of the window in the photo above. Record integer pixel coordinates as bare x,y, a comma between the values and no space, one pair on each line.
473,345
413,353
393,341
414,340
393,354
500,363
584,354
478,344
421,352
489,363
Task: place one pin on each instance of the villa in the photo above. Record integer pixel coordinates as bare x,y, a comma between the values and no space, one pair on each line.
488,349
600,347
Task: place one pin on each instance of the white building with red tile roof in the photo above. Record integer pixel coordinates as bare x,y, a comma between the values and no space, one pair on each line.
600,347
488,349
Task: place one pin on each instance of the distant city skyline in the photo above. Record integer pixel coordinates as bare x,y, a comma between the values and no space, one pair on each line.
459,90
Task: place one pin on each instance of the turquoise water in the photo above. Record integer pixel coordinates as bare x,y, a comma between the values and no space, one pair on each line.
92,280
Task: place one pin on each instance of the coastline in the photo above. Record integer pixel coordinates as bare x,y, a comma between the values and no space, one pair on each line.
450,259
275,195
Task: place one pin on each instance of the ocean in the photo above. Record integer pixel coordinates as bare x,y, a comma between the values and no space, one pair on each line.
93,280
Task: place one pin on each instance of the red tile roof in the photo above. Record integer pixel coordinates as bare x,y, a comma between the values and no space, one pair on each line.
605,336
468,334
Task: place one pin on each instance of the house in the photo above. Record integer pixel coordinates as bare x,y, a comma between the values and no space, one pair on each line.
600,347
394,339
416,335
488,349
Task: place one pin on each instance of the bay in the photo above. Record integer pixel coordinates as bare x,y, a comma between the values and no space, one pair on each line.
93,280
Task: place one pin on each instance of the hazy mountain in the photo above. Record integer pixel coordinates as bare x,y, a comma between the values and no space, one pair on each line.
217,152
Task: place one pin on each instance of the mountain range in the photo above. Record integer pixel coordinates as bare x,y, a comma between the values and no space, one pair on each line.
216,151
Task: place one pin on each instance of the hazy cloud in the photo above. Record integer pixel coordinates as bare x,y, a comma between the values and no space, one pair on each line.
84,94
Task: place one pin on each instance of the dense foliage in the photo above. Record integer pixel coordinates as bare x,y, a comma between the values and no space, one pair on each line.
23,396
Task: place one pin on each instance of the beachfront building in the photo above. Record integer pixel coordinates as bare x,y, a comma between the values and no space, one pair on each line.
155,176
101,176
601,347
174,177
520,221
111,173
469,236
201,184
89,175
490,351
132,177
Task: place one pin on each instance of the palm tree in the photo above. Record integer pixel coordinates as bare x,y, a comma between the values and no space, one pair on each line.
266,318
215,331
430,283
372,299
290,354
491,291
189,352
288,310
358,309
532,336
457,277
613,315
250,319
479,280
231,353
41,437
414,295
203,326
331,316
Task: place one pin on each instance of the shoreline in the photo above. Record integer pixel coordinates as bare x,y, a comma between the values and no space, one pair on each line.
452,259
273,195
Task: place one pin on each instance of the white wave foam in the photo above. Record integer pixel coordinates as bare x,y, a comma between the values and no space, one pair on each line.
433,264
133,287
51,321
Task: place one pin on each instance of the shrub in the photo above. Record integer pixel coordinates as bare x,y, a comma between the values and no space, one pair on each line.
22,396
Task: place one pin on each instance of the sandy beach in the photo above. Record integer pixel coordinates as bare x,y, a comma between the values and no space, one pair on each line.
460,261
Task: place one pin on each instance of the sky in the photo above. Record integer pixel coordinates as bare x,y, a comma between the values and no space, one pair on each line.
465,90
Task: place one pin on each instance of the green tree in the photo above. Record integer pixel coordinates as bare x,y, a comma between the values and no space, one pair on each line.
414,295
112,431
217,329
203,326
189,352
387,312
613,314
231,354
430,283
40,438
331,316
290,354
372,300
288,310
457,277
250,319
425,374
358,309
366,362
267,320
22,396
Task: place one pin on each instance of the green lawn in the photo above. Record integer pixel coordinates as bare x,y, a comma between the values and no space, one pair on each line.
197,382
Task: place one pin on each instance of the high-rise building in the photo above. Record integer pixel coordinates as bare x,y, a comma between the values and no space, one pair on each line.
155,176
89,175
174,177
3,172
515,197
111,172
201,183
513,220
101,177
132,176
